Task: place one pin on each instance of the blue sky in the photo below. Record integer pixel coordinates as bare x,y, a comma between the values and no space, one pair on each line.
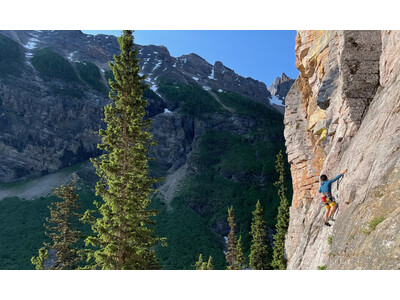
260,54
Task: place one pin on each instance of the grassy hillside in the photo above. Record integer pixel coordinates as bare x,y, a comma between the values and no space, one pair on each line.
52,65
190,98
245,106
90,74
11,57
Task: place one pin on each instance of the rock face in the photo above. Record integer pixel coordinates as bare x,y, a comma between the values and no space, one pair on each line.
41,132
47,123
281,86
342,112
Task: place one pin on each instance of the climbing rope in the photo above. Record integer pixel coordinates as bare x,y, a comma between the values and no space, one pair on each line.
337,197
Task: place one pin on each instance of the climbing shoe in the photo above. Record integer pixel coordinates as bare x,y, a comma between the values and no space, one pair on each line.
331,219
327,224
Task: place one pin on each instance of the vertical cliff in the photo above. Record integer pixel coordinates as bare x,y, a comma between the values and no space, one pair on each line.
342,112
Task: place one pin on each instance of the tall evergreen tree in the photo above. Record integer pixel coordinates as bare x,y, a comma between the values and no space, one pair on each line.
61,231
258,248
279,260
202,265
210,263
233,255
240,257
124,234
40,260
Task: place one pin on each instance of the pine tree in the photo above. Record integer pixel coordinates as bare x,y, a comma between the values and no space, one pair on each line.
199,264
258,248
202,265
279,260
124,232
40,260
233,254
60,230
210,264
240,257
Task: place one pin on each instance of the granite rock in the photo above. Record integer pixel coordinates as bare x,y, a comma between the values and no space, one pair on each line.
348,85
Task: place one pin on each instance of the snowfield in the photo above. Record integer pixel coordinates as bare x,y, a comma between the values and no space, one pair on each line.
276,100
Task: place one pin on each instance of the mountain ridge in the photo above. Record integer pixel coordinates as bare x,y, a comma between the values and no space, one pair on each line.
78,46
43,87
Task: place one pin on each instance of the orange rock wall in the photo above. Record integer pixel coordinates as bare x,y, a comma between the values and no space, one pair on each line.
341,113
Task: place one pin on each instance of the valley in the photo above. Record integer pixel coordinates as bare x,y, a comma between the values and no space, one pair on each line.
217,138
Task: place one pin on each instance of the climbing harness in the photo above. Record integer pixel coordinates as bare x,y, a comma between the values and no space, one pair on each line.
328,200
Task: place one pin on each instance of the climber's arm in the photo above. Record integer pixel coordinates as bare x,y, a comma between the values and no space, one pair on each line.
337,177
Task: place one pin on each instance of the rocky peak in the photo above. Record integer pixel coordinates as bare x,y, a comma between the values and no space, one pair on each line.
194,67
223,73
284,78
194,60
248,87
274,86
281,86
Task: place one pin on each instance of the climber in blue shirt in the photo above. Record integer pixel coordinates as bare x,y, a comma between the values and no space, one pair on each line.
327,199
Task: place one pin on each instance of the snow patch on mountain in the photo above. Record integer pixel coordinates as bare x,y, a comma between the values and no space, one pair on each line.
212,74
70,56
167,111
276,100
30,46
154,88
158,64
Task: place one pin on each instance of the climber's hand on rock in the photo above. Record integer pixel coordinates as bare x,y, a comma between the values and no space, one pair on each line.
344,172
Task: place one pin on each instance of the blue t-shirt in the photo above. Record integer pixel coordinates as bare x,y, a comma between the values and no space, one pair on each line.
326,185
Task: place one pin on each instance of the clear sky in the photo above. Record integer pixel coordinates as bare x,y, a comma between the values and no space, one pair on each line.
260,54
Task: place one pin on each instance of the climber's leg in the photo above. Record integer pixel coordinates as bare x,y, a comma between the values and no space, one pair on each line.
327,210
332,209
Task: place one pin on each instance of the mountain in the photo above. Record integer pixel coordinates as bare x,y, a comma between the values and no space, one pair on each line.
217,138
281,86
279,89
343,113
52,93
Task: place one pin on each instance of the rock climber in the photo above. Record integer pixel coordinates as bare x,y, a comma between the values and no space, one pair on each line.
327,199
